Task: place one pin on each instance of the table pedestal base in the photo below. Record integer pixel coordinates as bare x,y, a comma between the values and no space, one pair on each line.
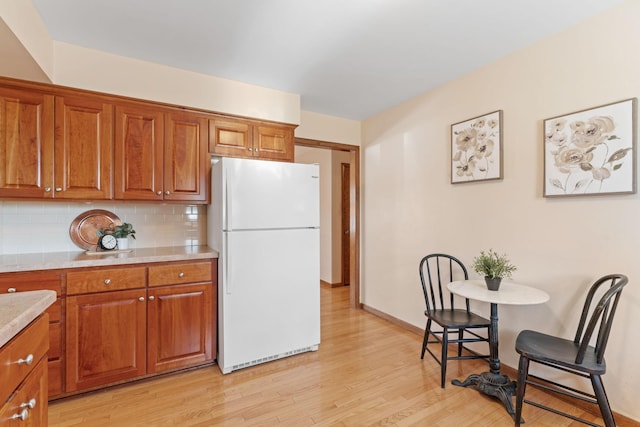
491,384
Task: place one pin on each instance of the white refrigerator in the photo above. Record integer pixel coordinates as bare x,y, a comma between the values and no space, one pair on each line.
264,220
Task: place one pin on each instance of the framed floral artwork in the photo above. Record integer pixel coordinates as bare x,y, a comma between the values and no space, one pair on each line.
591,151
476,149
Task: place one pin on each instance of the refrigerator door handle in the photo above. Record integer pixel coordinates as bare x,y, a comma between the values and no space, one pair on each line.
227,265
227,202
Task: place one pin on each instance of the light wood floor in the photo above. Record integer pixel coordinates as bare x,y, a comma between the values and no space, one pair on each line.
367,372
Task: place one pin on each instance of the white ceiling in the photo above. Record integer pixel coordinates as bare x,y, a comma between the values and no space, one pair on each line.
347,58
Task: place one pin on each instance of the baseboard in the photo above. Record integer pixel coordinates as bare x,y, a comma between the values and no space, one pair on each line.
404,325
507,370
330,285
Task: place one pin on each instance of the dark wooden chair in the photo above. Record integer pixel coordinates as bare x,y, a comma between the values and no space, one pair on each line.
436,271
575,357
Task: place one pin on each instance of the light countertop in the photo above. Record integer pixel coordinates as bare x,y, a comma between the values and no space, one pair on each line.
55,260
21,308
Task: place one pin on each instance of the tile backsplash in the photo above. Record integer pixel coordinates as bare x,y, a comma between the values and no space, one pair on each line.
34,227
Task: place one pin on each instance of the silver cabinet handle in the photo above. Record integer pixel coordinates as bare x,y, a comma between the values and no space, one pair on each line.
151,298
47,189
250,149
58,189
23,415
256,150
27,360
181,274
159,193
30,404
167,192
11,290
141,299
107,281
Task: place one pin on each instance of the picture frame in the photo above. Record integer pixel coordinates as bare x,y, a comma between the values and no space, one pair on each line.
476,149
591,151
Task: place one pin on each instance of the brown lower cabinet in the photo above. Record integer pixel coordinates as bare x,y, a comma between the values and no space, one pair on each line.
113,336
44,280
114,324
23,369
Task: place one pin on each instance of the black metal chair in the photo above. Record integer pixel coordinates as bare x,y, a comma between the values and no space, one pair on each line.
436,271
575,357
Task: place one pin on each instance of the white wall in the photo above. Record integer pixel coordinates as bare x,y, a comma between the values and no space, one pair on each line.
560,245
41,227
323,159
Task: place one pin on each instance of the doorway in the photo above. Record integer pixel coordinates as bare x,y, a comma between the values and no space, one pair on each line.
345,240
353,223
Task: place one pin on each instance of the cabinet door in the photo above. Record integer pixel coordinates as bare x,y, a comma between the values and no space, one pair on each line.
180,326
230,138
83,148
138,162
105,338
273,143
26,144
186,163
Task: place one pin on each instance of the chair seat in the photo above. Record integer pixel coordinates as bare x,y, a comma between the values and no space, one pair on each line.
557,351
454,319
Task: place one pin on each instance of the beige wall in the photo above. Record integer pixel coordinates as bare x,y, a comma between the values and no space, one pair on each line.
322,127
80,67
560,245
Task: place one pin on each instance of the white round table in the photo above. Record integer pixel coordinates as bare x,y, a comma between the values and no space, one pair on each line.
493,383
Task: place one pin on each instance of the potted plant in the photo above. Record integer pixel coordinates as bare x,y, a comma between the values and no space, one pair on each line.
120,232
493,267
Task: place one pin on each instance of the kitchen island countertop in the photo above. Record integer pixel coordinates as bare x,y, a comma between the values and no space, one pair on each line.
19,309
55,260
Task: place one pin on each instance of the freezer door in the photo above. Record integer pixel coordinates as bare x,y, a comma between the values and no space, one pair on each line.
269,295
264,194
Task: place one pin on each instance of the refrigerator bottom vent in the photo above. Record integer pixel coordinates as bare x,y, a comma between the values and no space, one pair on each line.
274,357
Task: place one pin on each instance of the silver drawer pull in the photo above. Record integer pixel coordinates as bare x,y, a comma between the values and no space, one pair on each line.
30,404
27,360
181,274
107,281
151,298
23,415
141,299
11,290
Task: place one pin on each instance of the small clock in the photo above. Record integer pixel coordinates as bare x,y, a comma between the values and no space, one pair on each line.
107,242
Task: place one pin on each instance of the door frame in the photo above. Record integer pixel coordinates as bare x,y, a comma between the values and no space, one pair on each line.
354,210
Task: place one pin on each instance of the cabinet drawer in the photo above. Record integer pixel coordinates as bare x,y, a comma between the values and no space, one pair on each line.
103,280
55,377
20,355
30,281
30,400
54,340
174,274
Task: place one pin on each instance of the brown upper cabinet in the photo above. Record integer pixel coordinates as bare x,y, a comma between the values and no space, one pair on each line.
83,148
160,155
66,143
54,147
247,139
26,143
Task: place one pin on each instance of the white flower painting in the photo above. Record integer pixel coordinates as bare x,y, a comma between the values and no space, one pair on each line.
476,149
591,151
